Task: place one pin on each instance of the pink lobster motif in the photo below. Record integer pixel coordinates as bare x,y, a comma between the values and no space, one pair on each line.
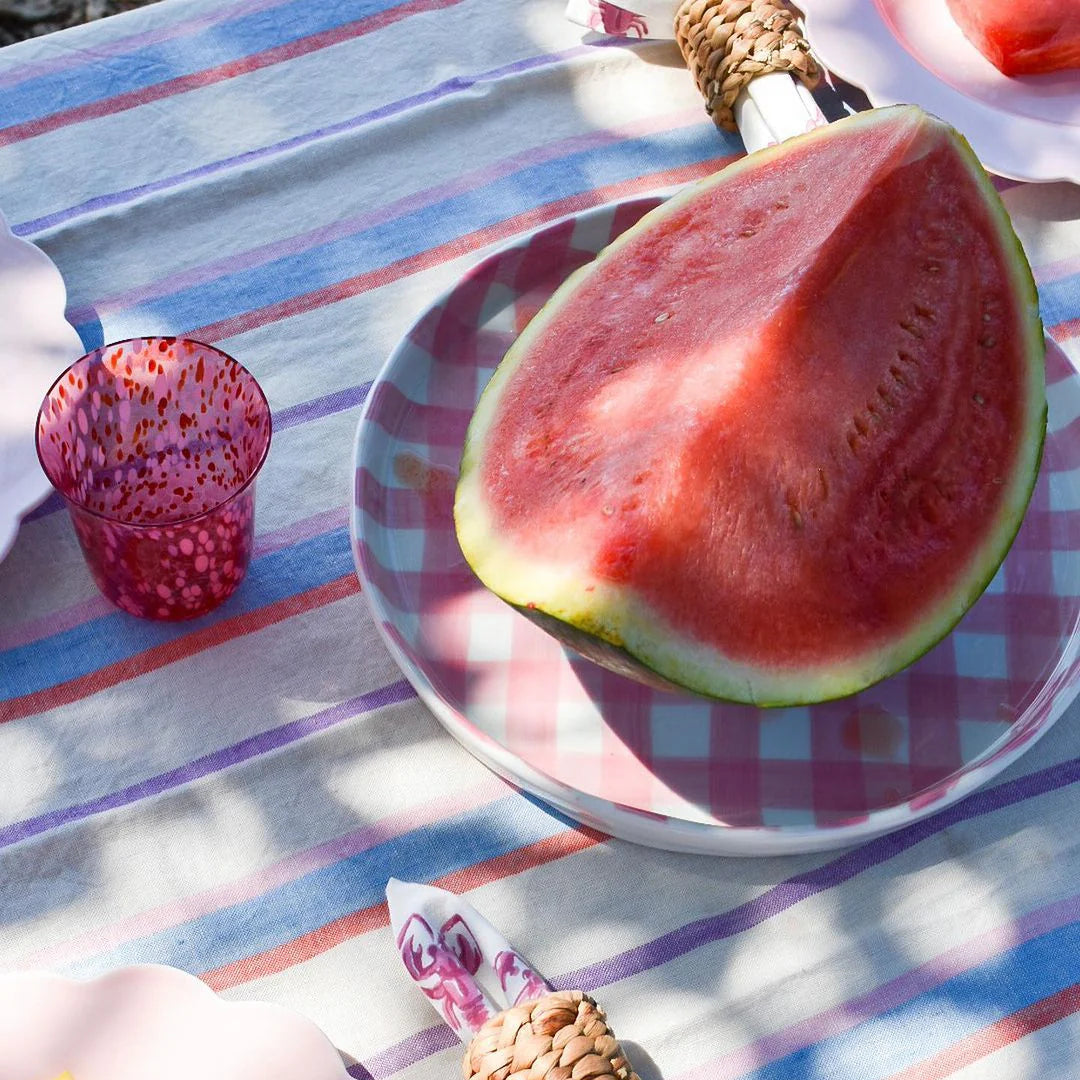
519,982
443,965
612,19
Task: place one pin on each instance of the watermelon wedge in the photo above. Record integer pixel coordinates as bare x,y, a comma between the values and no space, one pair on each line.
777,438
1022,37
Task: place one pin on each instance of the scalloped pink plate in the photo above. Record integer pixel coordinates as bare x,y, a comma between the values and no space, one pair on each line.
663,769
1024,127
151,1021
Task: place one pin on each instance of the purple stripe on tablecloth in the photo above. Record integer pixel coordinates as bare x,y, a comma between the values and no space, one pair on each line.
401,1055
317,408
221,759
50,506
445,89
802,886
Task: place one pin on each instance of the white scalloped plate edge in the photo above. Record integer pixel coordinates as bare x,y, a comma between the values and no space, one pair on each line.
853,40
150,1020
36,344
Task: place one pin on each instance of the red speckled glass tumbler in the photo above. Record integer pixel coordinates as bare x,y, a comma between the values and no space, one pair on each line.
154,444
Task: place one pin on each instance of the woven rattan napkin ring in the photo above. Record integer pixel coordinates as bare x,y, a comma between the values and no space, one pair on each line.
726,43
561,1036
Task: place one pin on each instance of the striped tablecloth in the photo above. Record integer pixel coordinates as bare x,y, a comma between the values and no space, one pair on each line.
296,181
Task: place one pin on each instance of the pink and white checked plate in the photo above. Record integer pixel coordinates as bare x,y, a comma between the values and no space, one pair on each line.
676,771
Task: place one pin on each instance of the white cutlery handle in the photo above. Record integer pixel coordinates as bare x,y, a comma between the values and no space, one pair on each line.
774,107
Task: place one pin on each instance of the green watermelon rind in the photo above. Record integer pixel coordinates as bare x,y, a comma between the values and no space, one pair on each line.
617,629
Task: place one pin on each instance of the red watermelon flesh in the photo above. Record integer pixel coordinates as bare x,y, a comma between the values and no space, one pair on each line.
777,438
1022,37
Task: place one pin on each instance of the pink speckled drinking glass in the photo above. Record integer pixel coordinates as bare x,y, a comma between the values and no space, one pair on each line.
154,443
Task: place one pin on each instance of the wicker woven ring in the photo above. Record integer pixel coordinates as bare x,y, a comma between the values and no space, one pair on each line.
726,43
561,1036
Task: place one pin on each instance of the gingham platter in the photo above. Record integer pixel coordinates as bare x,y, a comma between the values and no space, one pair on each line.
661,769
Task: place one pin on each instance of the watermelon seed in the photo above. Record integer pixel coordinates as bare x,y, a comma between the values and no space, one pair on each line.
987,317
911,328
748,232
824,483
662,317
925,312
978,399
796,518
608,511
897,374
988,342
861,425
781,204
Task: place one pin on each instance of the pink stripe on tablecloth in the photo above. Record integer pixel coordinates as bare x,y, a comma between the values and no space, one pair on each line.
317,525
56,622
1064,331
288,869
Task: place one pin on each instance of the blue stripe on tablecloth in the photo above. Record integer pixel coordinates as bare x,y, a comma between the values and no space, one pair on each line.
448,88
1059,299
352,884
938,1018
106,640
108,76
419,230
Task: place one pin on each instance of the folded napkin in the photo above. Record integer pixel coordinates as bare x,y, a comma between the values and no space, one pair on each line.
451,951
650,18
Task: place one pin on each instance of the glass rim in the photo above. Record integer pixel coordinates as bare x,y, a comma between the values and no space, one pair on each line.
171,522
